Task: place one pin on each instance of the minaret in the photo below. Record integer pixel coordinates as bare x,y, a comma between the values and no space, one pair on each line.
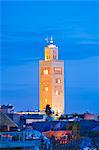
51,40
51,51
51,79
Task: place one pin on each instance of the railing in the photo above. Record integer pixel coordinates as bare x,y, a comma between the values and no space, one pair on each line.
19,140
20,144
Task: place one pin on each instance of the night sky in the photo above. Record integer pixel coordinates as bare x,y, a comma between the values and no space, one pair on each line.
74,26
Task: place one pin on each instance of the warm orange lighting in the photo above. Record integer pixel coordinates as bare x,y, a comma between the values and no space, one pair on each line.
46,72
45,100
56,92
52,80
46,88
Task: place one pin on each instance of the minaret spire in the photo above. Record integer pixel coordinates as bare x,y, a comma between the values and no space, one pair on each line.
51,40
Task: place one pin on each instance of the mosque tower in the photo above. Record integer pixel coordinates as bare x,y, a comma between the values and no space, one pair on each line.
51,80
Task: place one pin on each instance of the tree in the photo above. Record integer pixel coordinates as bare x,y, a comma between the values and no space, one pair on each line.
48,110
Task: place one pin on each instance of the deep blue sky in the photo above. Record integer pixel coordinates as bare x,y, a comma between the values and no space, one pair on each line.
74,26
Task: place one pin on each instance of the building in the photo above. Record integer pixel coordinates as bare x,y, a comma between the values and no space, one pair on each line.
51,80
88,116
30,118
27,139
6,123
59,135
7,109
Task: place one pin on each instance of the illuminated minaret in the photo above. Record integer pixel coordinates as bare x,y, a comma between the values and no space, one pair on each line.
51,80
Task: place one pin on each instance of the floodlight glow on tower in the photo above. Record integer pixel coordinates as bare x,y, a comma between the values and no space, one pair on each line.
51,79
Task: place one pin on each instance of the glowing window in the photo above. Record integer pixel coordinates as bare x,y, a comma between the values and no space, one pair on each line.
58,70
57,92
45,100
46,88
58,81
54,56
46,57
46,72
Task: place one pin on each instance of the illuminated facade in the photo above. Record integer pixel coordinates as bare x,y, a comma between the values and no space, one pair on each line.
51,80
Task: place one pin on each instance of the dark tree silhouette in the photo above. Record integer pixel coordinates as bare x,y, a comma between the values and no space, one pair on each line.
48,110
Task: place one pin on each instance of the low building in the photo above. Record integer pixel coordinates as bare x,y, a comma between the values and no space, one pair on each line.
6,123
7,108
27,139
88,116
58,135
30,118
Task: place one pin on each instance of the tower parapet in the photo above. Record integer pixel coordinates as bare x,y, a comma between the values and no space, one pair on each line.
51,51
